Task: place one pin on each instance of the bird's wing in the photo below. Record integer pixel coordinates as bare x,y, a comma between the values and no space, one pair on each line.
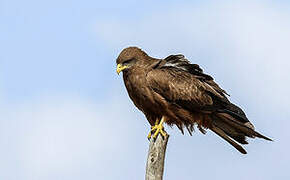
185,84
179,62
184,89
221,103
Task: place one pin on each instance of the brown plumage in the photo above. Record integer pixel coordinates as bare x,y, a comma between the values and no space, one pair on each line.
183,95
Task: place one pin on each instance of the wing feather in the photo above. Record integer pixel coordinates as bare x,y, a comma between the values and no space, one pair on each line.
182,88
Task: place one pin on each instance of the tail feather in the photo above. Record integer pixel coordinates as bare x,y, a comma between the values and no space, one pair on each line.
230,129
222,134
250,132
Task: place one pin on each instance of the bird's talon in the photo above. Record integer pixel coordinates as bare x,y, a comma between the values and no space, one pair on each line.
163,133
157,129
149,136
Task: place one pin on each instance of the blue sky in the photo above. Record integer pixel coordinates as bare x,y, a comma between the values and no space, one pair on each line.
65,114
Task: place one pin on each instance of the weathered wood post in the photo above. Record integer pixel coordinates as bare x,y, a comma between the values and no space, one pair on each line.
156,157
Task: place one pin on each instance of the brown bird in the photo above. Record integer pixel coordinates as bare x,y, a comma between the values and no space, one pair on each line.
174,91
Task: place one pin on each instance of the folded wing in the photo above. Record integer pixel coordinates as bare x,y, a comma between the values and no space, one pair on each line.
185,85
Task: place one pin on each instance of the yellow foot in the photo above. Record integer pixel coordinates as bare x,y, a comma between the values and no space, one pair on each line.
155,130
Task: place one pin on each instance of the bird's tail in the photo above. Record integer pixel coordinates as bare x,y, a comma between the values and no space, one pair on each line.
231,129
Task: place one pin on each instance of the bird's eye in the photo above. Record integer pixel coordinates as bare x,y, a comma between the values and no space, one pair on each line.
128,61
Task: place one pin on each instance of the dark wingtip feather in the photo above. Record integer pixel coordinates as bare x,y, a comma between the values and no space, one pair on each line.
262,136
243,151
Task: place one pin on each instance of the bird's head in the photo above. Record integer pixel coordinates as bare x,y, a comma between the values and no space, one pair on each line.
130,57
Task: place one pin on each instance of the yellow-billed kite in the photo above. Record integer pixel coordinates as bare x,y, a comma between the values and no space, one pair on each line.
174,91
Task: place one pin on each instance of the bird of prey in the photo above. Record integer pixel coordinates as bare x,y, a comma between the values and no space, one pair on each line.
176,92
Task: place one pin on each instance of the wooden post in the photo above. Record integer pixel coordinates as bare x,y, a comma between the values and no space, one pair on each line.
155,159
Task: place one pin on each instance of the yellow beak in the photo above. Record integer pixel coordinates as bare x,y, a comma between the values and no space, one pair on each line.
120,68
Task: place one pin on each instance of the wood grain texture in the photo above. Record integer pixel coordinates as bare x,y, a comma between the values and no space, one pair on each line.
156,158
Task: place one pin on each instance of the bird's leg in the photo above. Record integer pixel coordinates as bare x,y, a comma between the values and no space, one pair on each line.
158,128
156,123
152,129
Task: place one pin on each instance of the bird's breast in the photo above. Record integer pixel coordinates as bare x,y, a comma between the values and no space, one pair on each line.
140,92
